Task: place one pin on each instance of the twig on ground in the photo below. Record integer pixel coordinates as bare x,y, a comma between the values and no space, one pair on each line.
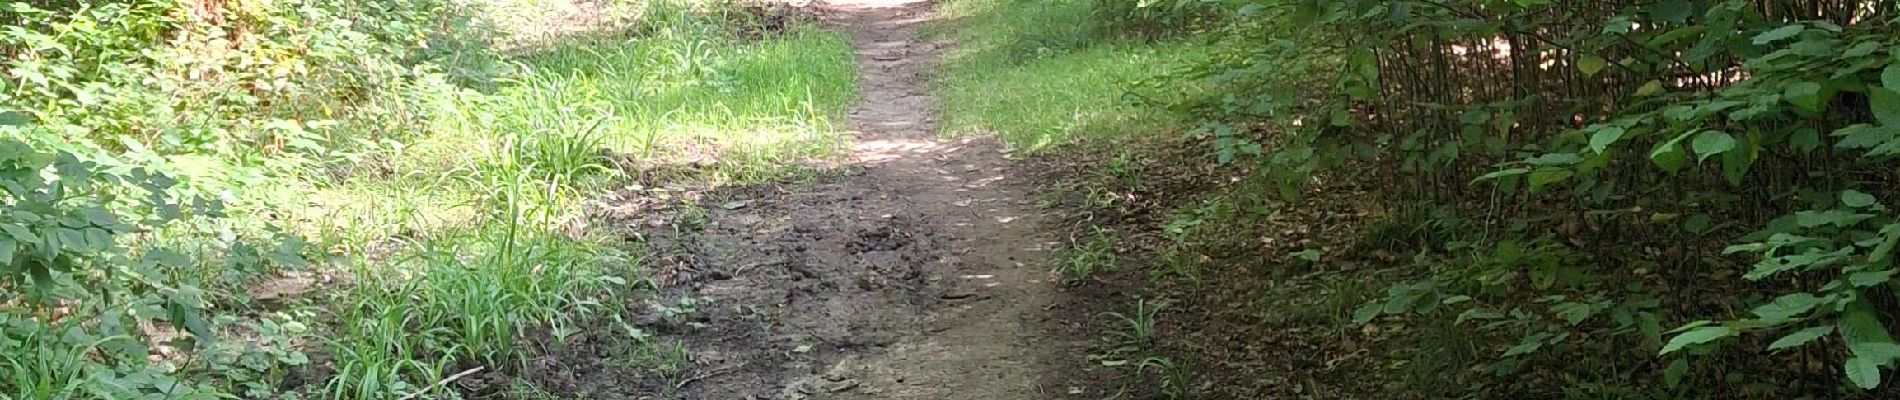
695,378
444,381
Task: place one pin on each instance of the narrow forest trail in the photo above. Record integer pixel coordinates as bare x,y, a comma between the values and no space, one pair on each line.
992,344
921,273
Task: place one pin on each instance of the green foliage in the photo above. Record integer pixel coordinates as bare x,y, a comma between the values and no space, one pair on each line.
1088,256
1151,17
1603,145
1032,74
1133,345
410,331
86,292
750,110
161,159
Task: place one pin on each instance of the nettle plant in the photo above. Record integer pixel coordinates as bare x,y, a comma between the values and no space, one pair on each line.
1852,247
86,294
1808,84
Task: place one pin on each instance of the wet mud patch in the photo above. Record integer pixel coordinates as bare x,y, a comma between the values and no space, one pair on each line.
918,271
751,287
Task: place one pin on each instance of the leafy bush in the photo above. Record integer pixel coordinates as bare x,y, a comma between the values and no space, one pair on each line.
161,159
1151,17
1620,142
90,302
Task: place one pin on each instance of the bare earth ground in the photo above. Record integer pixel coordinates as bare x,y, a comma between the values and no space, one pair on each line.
920,273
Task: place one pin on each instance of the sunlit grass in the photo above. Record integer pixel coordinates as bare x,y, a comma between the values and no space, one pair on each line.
478,208
444,205
1034,75
753,110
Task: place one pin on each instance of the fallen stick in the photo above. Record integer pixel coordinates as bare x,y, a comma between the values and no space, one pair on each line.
690,380
444,381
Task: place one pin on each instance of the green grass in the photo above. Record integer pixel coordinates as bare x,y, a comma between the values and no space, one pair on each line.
1087,256
454,242
1035,75
753,110
504,171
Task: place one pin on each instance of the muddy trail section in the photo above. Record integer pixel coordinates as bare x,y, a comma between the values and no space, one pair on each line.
918,272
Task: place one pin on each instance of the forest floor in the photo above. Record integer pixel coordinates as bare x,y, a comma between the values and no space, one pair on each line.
918,271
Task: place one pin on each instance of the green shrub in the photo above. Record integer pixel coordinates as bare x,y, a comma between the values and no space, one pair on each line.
1674,125
1149,18
160,157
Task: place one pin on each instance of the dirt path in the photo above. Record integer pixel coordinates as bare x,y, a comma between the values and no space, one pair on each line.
991,344
920,274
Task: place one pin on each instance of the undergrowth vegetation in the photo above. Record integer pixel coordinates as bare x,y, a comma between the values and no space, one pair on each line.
1497,199
359,199
1034,74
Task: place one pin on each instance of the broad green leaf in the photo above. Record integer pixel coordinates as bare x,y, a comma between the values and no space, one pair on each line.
1672,376
1806,95
1864,136
1787,307
1546,176
1870,278
1697,336
1813,258
1800,337
1779,33
73,240
1857,199
1886,105
1736,162
1710,143
165,257
1805,140
1863,371
1866,337
20,233
1650,325
1650,89
1619,24
282,258
1365,313
1672,10
1522,349
1475,117
1883,352
1604,137
1476,313
1591,64
99,217
1669,155
186,306
1573,313
14,118
1861,49
1528,345
1890,237
1840,218
1891,77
